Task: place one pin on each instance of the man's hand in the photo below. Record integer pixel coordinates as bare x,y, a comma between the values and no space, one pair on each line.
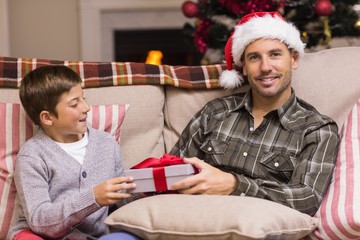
110,191
209,180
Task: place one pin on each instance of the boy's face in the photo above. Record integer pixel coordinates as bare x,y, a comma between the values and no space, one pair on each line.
70,124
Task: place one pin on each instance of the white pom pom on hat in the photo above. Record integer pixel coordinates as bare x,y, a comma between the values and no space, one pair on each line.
250,28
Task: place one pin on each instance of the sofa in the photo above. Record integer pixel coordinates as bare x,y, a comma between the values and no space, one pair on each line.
156,103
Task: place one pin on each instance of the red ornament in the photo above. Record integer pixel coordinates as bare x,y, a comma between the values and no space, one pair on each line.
190,9
323,7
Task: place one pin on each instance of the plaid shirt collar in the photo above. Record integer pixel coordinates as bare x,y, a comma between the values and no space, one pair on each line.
284,112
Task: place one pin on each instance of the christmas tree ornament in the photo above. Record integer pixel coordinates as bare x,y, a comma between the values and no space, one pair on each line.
201,35
304,37
250,28
323,7
327,32
190,9
242,7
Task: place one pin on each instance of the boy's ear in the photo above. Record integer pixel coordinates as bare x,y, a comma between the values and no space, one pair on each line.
46,118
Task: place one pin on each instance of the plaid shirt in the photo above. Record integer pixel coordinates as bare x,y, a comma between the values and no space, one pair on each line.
288,159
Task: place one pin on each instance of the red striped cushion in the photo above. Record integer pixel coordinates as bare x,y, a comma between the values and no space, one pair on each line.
339,213
16,128
112,122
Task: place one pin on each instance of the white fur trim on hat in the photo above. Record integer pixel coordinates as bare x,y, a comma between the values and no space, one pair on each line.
268,26
230,79
251,27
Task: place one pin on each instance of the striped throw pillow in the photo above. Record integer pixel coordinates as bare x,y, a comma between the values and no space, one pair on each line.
339,213
16,128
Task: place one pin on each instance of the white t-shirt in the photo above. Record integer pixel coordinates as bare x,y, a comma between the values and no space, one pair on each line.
76,149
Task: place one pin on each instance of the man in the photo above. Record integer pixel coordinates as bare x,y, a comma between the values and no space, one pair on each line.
264,143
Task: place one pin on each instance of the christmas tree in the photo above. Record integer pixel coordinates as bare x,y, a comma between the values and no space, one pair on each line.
318,20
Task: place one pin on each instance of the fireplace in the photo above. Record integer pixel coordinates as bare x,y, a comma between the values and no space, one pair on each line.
134,46
110,27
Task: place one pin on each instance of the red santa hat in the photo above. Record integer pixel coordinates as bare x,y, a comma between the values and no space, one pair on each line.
250,28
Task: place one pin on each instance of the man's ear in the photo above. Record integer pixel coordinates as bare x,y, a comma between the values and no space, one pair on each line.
244,72
294,60
46,118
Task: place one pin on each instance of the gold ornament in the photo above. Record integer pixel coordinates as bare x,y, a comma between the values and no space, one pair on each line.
327,31
304,37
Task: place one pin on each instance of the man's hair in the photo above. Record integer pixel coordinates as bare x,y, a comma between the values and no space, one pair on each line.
42,88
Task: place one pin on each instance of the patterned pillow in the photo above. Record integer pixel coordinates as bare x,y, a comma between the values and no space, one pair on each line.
16,128
339,213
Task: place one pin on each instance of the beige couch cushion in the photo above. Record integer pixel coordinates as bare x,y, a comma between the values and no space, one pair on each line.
330,81
146,102
181,105
9,95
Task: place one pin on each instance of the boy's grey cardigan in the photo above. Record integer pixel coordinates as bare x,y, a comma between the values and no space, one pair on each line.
55,197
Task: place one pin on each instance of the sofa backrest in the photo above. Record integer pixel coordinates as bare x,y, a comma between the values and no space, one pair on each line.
161,107
330,81
142,130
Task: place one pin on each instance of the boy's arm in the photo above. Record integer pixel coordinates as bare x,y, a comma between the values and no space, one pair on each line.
43,215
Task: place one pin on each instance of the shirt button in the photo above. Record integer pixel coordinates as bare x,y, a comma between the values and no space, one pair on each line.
209,148
251,129
276,164
245,154
84,174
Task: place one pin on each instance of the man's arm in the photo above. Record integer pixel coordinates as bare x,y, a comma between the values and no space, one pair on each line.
306,188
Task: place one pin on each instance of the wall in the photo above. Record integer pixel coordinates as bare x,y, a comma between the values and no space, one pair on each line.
46,29
4,28
51,29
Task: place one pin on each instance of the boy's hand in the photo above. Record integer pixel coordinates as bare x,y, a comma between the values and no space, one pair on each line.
110,191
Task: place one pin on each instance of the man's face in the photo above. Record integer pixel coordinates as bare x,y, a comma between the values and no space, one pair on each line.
268,64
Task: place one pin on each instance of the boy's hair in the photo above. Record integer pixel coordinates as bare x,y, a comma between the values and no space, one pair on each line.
41,89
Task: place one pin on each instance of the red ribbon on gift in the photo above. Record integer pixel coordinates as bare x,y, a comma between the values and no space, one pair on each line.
158,167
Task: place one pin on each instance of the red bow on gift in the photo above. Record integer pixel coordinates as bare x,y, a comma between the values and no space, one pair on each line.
158,165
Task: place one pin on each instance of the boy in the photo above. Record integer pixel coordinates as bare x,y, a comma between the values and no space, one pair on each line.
62,173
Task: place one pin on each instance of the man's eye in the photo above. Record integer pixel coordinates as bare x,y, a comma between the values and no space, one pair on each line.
252,58
276,54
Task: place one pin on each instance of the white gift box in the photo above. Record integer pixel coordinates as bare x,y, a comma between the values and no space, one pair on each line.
145,182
